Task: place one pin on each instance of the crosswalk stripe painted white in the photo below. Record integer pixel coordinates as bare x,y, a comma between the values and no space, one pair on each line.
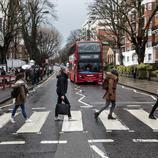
143,116
54,142
100,141
4,119
98,151
111,125
37,121
12,143
145,140
73,125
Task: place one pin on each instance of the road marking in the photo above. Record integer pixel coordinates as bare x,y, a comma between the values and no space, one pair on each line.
100,141
37,121
86,105
73,125
5,118
12,143
135,91
98,151
143,116
125,102
145,140
134,106
39,108
54,142
111,124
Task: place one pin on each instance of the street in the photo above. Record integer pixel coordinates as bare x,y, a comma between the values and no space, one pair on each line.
131,135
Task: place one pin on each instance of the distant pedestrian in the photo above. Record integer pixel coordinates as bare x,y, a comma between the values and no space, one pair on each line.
110,93
3,72
20,98
62,85
151,115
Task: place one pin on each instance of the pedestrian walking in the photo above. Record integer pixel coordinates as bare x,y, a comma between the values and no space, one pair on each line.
151,115
62,85
20,97
110,93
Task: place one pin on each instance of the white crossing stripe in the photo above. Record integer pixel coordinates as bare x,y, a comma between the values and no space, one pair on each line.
143,116
111,124
98,151
12,143
145,140
37,121
4,119
73,125
54,142
100,141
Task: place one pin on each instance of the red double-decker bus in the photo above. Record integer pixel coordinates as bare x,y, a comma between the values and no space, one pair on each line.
86,62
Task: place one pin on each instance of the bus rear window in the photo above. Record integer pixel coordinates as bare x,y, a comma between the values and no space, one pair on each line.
89,47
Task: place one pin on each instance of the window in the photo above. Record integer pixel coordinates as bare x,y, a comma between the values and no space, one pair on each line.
149,6
127,58
149,57
1,24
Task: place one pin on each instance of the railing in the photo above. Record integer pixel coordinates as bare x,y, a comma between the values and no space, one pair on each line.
6,81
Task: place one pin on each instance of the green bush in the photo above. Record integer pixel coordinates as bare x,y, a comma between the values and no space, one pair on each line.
144,67
154,73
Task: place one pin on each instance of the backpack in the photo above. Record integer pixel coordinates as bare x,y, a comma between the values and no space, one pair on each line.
105,83
15,92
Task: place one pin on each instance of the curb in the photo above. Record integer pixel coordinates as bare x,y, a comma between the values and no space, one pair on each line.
138,89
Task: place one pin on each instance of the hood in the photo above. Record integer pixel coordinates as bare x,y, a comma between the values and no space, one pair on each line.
110,75
19,83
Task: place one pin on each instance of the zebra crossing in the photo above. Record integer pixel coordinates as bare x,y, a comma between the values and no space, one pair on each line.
77,124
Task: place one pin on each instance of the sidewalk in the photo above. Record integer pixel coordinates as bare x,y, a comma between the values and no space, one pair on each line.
150,87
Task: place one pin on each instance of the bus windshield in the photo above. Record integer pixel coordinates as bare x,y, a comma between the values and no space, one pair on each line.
84,67
89,47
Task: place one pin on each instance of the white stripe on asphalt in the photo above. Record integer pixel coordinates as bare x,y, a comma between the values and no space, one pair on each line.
39,108
4,119
37,121
73,125
145,140
98,151
143,116
100,141
111,124
12,143
54,142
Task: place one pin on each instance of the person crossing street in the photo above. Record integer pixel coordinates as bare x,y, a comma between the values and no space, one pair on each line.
110,93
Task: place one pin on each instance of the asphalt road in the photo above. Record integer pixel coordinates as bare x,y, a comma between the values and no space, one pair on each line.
132,135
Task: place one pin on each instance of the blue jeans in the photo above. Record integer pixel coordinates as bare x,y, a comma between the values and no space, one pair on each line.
113,104
22,109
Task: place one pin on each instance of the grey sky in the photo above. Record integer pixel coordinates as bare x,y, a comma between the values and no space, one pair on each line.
71,15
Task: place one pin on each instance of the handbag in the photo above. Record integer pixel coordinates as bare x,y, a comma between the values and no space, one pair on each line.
63,109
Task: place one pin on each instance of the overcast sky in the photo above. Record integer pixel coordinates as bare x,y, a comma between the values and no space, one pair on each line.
71,15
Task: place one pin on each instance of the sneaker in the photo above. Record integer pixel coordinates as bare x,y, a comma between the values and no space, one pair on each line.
56,118
70,118
28,121
12,120
110,117
96,114
152,117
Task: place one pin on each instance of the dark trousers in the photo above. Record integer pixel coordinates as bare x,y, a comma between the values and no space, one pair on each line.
154,108
113,104
59,101
22,109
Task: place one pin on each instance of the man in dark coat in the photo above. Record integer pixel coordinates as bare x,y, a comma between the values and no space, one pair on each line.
62,85
151,115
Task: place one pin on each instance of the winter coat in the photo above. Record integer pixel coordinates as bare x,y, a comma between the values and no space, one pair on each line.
110,93
62,84
21,98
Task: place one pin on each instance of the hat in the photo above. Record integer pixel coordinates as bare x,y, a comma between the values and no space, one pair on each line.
114,72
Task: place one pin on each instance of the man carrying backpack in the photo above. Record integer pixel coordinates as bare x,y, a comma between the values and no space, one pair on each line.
20,94
110,92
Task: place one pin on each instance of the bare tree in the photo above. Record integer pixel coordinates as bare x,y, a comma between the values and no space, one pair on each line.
49,41
74,36
34,14
11,24
137,30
